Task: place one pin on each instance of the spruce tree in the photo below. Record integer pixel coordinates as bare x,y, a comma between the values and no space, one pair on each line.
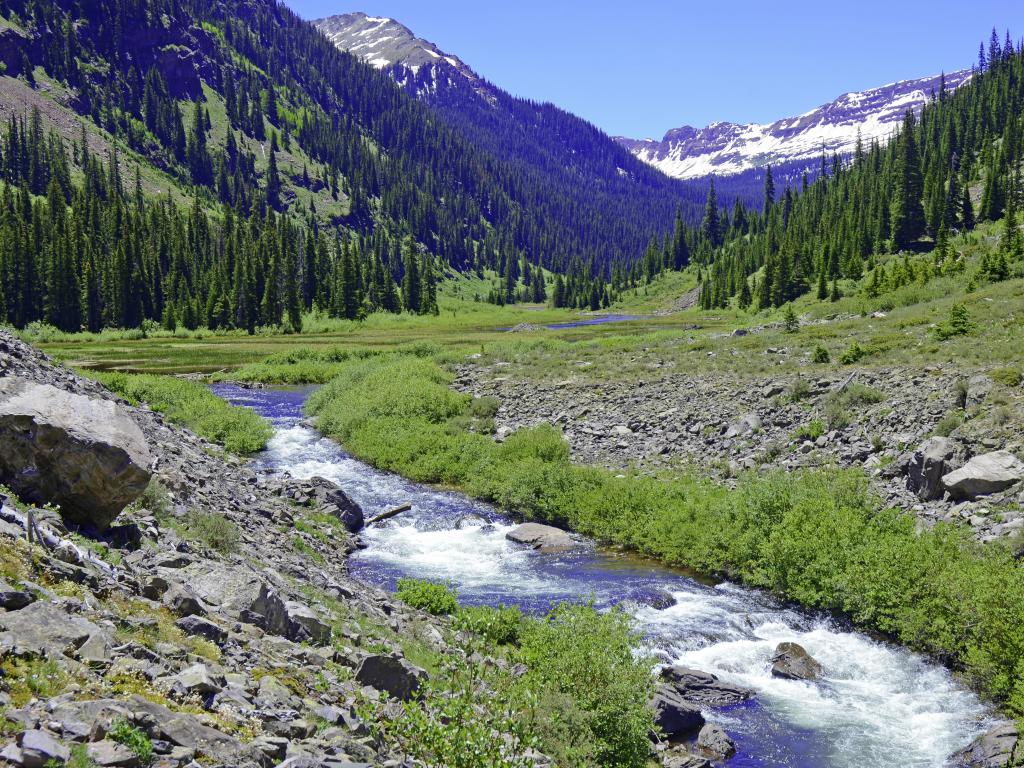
907,214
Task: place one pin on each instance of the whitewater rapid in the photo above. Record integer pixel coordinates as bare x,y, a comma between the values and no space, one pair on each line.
879,706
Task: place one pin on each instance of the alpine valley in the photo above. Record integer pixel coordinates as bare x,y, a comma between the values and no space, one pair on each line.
357,412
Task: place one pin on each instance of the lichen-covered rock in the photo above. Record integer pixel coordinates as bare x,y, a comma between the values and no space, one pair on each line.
84,454
996,748
935,457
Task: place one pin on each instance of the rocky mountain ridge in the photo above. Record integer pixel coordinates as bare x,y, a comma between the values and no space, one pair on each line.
725,148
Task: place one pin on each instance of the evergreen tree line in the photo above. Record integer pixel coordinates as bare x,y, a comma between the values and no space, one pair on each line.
101,254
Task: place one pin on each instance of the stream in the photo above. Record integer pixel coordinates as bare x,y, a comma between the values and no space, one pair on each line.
879,706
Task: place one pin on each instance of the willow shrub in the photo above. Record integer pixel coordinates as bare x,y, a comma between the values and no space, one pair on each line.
817,537
190,404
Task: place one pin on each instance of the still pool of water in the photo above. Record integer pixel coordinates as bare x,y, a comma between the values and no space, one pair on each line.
880,706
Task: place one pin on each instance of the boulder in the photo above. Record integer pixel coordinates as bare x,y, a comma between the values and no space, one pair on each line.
337,503
45,629
792,662
198,680
539,536
935,457
984,474
84,454
111,754
703,689
978,388
184,730
392,674
675,716
12,599
39,748
183,601
714,742
748,423
289,619
197,625
995,748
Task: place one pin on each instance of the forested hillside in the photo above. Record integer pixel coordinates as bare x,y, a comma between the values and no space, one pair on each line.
261,172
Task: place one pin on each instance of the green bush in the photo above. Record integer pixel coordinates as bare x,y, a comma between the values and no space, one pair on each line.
820,355
590,687
438,599
499,625
238,429
215,531
812,430
1009,377
958,324
853,353
948,423
483,407
134,738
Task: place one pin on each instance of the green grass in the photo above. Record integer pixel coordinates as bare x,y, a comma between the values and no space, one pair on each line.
239,430
817,537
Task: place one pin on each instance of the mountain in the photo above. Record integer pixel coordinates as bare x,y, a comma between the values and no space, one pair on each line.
553,148
223,164
728,148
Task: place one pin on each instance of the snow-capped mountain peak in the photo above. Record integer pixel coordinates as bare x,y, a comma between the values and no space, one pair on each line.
726,148
385,43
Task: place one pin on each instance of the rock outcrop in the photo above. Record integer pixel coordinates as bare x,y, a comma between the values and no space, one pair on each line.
934,458
985,474
83,454
704,689
674,715
996,748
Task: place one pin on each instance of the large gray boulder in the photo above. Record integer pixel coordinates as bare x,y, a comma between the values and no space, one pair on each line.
84,454
985,474
287,618
539,536
935,457
995,748
334,501
792,662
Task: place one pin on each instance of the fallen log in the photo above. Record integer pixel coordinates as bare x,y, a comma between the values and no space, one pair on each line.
390,513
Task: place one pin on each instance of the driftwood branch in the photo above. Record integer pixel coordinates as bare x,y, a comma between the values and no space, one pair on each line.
390,513
63,548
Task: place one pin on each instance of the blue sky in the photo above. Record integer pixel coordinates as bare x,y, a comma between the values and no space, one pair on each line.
639,68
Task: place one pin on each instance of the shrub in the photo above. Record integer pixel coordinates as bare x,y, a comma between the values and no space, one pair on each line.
948,423
853,353
499,625
590,686
438,599
837,416
1009,377
799,390
820,355
790,321
134,738
238,429
483,407
215,531
958,324
810,431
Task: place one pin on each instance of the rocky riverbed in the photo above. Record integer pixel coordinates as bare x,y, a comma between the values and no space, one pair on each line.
875,419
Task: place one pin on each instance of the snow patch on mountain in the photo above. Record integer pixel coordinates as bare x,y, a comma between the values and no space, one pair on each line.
724,148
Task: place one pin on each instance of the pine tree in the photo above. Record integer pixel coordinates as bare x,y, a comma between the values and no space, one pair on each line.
273,182
711,225
907,216
411,284
769,190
